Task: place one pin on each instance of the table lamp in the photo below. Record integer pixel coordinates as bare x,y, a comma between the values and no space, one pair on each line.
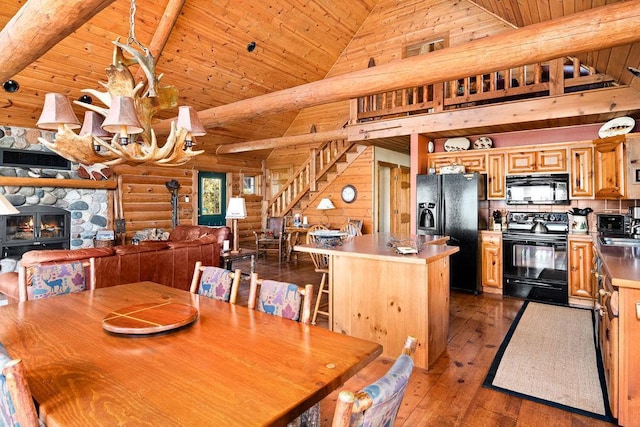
236,209
6,208
324,205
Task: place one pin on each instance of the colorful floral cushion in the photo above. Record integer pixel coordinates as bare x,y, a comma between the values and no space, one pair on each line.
216,283
387,395
7,409
280,299
56,279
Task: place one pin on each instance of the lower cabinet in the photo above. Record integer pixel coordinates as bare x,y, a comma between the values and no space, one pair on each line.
491,255
580,261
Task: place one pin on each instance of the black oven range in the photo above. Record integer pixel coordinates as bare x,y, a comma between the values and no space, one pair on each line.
535,256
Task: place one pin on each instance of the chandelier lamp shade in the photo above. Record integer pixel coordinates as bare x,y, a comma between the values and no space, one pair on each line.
128,111
188,119
57,113
236,209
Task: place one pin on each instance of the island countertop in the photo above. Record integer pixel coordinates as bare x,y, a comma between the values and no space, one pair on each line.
375,246
378,294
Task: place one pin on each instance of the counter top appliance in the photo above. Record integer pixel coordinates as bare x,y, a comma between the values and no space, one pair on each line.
535,256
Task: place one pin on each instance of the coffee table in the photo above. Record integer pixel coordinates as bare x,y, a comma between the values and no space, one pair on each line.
226,259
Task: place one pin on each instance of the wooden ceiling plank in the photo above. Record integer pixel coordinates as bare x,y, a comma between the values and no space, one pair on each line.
38,26
618,24
163,31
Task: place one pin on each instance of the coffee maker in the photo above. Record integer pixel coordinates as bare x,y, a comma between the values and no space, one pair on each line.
634,230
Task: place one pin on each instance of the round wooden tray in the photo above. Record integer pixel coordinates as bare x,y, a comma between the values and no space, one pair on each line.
149,318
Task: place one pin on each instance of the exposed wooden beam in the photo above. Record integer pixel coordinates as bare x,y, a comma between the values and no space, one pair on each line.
591,30
270,143
594,102
163,31
38,26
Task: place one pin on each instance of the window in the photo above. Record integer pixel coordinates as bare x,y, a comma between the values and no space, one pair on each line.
426,47
249,185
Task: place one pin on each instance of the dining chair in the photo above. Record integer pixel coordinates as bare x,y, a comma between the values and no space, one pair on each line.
46,280
321,265
377,404
280,299
273,237
290,301
351,229
16,402
215,282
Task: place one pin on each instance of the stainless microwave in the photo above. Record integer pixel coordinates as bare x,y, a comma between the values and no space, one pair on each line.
550,189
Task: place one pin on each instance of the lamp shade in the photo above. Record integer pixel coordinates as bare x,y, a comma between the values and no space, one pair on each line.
6,208
325,204
122,117
188,119
56,112
92,125
236,209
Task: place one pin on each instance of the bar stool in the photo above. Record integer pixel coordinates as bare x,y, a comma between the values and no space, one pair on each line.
321,264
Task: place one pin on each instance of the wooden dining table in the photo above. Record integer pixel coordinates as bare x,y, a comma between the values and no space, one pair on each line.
231,366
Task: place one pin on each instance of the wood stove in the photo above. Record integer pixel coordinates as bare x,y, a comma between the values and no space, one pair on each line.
35,227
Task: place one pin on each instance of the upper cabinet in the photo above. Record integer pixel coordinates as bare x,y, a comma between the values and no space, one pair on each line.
472,161
496,188
581,169
520,162
610,167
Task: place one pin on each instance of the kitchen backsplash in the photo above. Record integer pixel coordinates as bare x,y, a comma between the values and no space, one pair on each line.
599,206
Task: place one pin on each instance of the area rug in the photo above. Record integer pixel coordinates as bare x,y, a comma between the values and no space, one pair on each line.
549,355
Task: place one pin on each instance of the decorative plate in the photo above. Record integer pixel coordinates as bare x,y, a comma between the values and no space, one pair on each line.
483,142
457,144
617,126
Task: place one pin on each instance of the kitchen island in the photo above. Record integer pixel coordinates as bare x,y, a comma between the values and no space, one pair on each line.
382,296
619,324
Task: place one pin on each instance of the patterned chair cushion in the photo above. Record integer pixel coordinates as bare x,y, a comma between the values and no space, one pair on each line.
6,404
56,279
280,299
386,394
215,283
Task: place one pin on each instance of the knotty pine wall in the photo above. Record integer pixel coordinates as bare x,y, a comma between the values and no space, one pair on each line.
384,36
391,27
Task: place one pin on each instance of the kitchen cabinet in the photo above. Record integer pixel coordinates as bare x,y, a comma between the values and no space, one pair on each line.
473,162
581,164
495,177
609,167
491,255
580,259
550,160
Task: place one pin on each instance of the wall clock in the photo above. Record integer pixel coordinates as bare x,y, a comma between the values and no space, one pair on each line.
349,193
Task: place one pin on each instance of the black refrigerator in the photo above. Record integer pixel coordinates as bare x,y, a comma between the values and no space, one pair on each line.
448,205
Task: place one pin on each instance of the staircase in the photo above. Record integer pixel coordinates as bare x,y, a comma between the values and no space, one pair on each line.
325,163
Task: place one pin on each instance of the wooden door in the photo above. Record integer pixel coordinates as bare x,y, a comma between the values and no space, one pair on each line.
212,198
609,168
400,198
580,278
581,160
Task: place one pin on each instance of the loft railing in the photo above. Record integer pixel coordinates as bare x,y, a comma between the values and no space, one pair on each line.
306,178
546,78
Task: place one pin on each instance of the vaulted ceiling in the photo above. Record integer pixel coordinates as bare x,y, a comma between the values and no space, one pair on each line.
204,49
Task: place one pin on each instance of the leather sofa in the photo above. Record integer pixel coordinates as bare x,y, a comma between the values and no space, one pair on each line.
170,262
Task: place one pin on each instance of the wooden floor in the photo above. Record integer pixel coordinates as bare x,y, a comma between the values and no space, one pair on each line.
451,392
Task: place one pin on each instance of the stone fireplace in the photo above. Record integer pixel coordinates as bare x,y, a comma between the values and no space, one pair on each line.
87,208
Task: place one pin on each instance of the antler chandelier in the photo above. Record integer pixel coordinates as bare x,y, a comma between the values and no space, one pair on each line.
129,110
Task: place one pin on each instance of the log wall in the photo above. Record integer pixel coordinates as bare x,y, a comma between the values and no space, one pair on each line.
146,202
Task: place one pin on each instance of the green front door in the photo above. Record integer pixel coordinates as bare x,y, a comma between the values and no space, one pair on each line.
211,198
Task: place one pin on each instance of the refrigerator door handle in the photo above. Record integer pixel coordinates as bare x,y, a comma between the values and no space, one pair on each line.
442,219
